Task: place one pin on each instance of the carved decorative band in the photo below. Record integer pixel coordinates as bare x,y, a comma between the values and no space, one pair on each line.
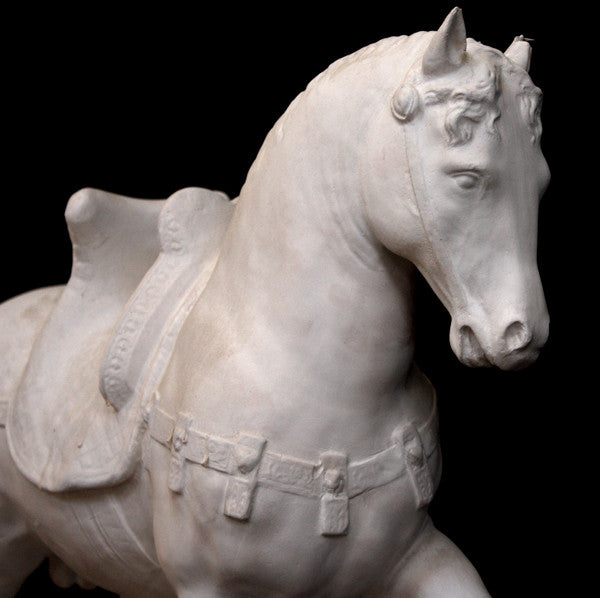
333,480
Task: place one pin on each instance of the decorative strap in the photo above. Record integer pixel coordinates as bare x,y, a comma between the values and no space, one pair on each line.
247,454
417,463
334,481
289,474
333,512
180,437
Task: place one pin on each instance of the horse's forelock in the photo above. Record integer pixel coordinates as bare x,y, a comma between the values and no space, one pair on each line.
475,99
470,102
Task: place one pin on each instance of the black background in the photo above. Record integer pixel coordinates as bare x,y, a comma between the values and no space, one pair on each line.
145,101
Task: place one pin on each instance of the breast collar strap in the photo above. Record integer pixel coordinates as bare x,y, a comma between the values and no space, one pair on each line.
333,480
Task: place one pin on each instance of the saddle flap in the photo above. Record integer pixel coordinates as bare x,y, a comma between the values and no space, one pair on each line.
63,434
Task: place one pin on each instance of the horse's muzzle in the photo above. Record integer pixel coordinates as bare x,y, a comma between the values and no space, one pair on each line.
515,348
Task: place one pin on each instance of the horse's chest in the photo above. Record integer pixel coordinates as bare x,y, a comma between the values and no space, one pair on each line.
283,548
280,546
274,488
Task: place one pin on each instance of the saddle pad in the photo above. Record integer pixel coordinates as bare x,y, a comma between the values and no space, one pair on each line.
63,433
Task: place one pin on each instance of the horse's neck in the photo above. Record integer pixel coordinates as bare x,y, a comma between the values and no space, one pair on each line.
304,331
305,274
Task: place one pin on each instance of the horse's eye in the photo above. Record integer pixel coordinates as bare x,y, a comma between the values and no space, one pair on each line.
467,180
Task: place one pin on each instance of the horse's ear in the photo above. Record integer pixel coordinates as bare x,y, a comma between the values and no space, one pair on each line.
448,46
519,52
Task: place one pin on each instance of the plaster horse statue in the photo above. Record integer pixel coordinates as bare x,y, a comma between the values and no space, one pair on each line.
222,400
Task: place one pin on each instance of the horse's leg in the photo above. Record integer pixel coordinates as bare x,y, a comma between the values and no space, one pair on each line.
436,568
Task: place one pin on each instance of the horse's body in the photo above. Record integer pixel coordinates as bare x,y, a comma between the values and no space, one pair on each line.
298,355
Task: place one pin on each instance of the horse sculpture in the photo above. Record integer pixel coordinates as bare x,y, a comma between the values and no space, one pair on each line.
222,401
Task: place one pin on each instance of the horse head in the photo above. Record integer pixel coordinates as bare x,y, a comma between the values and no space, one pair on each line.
452,181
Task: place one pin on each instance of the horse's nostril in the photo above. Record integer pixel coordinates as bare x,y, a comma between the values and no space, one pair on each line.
467,336
516,336
471,351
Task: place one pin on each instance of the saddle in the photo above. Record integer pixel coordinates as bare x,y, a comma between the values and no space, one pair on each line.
139,266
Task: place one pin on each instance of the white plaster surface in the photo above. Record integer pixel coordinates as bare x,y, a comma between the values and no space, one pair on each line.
223,398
